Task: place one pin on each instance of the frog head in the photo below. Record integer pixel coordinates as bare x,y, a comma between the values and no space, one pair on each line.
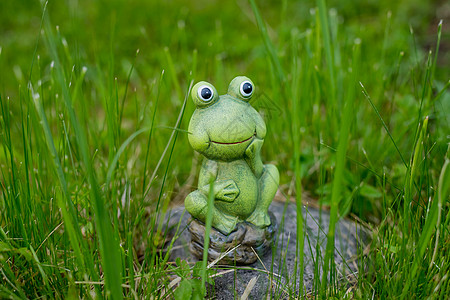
222,127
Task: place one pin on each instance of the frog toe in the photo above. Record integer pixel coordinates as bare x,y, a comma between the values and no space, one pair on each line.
226,225
259,219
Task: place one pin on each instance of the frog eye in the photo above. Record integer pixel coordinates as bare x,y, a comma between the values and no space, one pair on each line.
241,87
246,89
205,93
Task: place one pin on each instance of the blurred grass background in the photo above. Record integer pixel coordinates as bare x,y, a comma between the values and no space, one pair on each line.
111,55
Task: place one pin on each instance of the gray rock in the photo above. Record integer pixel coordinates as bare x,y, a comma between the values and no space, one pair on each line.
242,246
275,271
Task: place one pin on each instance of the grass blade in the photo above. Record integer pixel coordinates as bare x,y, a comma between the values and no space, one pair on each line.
120,151
66,205
109,246
366,94
147,152
296,138
208,225
433,220
336,193
323,14
268,43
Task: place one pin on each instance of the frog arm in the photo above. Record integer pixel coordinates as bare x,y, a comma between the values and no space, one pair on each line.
253,152
208,172
253,157
224,190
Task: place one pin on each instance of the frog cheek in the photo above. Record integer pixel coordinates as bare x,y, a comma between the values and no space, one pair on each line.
199,141
260,127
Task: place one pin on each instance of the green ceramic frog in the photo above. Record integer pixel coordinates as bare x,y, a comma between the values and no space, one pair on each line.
229,132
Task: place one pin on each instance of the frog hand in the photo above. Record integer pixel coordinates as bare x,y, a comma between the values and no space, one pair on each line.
226,190
253,156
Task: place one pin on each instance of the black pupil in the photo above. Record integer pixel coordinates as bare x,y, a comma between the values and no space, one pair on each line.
247,88
206,93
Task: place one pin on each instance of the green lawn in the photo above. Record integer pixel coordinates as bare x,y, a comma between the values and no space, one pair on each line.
93,129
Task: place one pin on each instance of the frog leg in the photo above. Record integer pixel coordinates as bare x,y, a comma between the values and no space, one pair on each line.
196,204
268,185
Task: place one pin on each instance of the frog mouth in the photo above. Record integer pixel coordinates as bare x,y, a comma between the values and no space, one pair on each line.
234,143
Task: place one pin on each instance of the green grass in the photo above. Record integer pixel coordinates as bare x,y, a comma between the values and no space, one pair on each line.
94,113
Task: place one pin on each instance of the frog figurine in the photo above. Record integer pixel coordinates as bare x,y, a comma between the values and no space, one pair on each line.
229,133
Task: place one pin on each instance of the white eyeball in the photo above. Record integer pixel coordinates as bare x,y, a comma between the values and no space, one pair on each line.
246,89
205,93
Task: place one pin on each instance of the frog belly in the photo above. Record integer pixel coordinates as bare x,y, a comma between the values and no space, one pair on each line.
245,202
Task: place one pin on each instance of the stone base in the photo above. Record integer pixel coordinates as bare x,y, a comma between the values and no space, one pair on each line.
246,235
282,259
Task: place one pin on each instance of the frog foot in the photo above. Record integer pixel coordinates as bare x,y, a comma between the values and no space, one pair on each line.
259,218
226,224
